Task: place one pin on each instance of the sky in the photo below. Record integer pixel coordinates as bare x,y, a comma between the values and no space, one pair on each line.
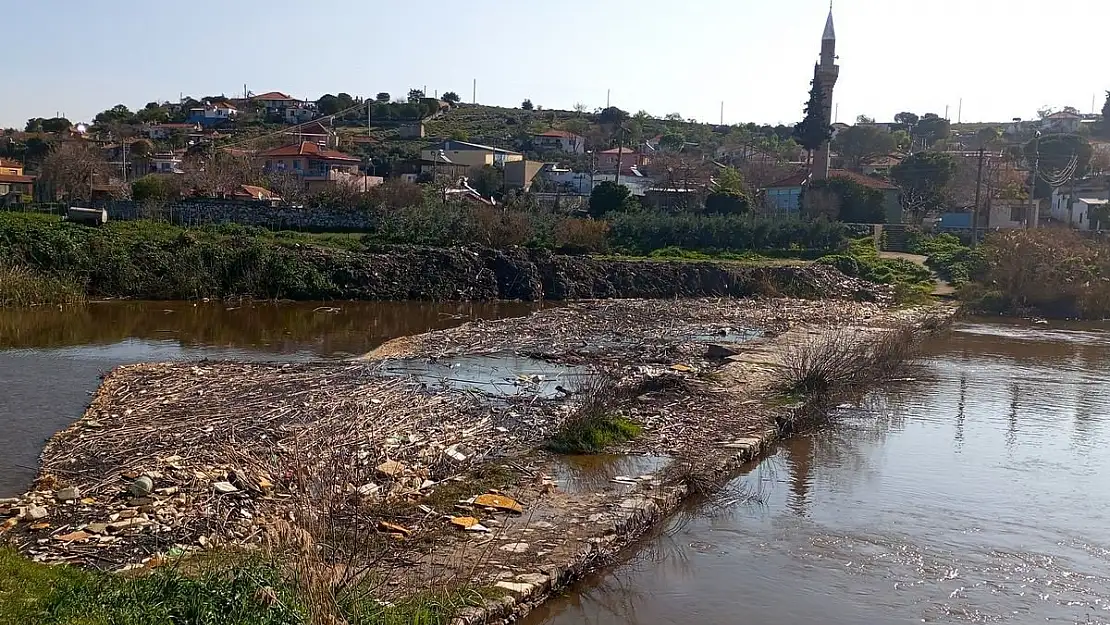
1003,58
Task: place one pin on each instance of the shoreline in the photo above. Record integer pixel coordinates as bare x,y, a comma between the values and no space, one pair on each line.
685,402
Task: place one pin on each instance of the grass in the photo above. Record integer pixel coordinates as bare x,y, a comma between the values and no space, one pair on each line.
480,480
594,425
912,283
236,590
593,435
22,286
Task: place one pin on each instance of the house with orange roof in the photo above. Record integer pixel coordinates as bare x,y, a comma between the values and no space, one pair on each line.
559,141
287,108
318,166
15,188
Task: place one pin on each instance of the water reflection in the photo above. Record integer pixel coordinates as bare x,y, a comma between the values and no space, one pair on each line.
51,358
976,493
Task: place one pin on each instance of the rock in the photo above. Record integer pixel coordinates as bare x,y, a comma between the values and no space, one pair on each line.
224,488
69,493
458,452
97,528
514,547
499,502
368,489
390,528
717,351
142,486
517,588
123,524
538,580
37,513
390,468
73,537
464,522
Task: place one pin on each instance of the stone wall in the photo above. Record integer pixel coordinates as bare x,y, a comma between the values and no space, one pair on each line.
245,212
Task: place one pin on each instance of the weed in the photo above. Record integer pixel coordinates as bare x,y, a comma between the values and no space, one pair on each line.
594,425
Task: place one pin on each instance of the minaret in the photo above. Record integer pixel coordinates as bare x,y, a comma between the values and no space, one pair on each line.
825,74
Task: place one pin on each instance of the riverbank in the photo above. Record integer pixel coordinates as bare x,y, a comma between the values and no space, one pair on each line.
436,445
157,261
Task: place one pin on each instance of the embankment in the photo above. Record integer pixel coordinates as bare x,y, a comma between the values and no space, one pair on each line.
146,260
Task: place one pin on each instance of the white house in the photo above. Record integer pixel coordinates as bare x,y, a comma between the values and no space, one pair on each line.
1009,214
560,141
1062,122
1075,208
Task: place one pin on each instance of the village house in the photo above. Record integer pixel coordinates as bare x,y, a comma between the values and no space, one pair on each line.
317,166
470,155
161,132
1062,122
629,159
287,108
786,194
15,187
313,132
214,114
559,141
158,163
1074,204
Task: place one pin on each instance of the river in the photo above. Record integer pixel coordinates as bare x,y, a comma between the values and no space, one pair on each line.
977,492
51,358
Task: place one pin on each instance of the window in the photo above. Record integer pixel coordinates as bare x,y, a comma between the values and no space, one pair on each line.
1017,213
269,164
297,165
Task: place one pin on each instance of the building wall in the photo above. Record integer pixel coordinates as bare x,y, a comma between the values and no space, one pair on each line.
563,144
474,159
1005,215
785,199
519,174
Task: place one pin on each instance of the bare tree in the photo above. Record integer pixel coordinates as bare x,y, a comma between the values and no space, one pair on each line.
218,174
73,168
685,179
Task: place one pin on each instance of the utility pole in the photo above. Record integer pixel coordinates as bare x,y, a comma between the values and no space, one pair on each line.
722,112
369,109
607,92
978,190
1032,219
620,154
946,112
960,112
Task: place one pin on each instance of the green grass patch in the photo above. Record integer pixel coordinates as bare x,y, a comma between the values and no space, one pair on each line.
593,434
912,282
477,481
208,591
952,260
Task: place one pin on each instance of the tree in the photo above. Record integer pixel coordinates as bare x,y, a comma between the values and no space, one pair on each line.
988,137
859,143
672,140
844,200
221,173
612,115
907,119
580,108
863,119
451,97
72,168
1061,158
673,117
526,105
327,104
924,178
814,129
156,115
118,114
415,95
34,125
1104,124
932,128
730,194
1044,112
902,139
345,101
489,181
142,147
609,197
155,188
383,97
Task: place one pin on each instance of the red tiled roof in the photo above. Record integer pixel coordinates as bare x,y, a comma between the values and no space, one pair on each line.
7,162
625,150
8,178
563,134
251,191
800,178
306,148
273,95
311,128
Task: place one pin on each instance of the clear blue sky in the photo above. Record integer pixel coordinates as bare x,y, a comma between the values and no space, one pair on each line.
1005,58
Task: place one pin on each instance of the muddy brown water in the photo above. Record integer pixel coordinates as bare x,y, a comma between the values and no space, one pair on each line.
51,359
978,492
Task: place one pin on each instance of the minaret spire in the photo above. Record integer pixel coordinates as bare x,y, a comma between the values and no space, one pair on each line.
830,32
